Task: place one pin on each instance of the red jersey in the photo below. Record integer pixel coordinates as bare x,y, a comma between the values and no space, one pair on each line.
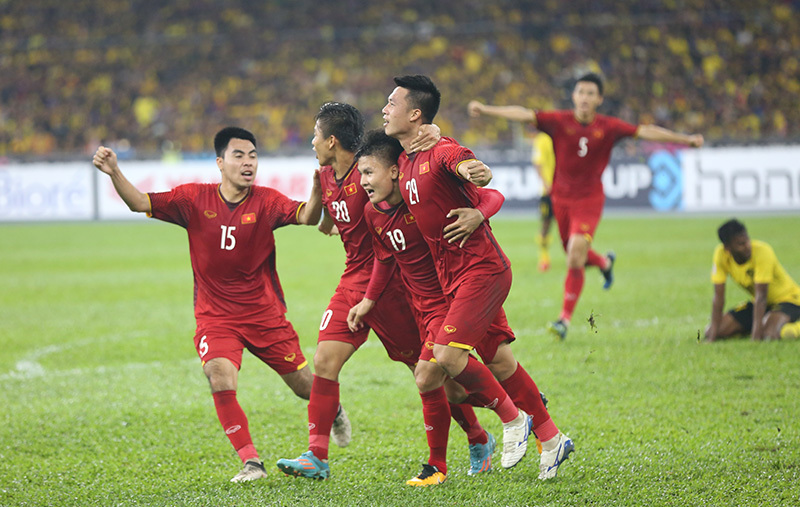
232,247
431,187
344,200
582,151
395,234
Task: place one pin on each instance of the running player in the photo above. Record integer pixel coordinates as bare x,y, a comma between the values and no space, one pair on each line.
475,277
544,160
238,298
774,311
582,141
337,133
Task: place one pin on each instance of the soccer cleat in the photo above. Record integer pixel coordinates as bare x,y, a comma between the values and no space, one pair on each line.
253,469
544,265
551,460
539,442
429,476
480,455
515,440
341,430
790,331
608,273
307,465
558,328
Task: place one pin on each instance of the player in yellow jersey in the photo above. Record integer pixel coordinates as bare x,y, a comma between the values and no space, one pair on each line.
544,161
774,311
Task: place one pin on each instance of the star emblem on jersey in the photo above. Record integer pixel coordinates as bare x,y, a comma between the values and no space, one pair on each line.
289,358
450,329
249,218
209,214
350,189
424,168
409,218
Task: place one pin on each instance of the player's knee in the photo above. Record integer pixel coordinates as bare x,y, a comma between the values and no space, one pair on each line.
429,379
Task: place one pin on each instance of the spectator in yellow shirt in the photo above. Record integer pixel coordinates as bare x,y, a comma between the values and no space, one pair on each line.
774,311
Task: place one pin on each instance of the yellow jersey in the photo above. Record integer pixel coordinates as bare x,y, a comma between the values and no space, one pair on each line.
763,267
544,157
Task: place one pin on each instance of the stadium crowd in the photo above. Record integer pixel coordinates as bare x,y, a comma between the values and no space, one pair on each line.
148,77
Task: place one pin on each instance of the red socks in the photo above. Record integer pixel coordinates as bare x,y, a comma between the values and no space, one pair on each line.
522,389
465,416
322,408
595,259
483,387
436,414
234,422
573,286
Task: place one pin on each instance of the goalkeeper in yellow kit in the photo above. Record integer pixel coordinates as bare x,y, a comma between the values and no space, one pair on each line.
544,160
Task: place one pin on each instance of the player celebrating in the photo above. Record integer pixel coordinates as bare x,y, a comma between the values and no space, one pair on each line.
337,133
475,277
582,141
544,160
775,311
238,298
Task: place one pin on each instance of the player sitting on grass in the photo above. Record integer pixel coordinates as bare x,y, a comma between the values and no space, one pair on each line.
774,311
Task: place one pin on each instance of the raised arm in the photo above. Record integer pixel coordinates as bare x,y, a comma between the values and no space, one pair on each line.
514,113
313,208
106,161
662,135
717,305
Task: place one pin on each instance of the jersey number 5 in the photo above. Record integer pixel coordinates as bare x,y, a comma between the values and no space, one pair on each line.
583,146
228,241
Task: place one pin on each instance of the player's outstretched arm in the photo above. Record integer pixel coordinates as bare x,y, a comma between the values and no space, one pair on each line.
662,135
311,212
717,305
106,161
514,113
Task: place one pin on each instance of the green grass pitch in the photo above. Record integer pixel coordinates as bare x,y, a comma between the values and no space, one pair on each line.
103,401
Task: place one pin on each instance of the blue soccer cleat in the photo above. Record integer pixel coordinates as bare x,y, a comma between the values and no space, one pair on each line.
608,273
307,465
480,455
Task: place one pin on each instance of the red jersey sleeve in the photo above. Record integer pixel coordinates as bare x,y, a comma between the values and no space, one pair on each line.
490,202
284,208
547,122
619,128
174,206
449,154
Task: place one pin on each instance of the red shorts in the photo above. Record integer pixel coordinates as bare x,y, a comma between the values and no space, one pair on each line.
474,306
430,314
275,342
578,216
391,319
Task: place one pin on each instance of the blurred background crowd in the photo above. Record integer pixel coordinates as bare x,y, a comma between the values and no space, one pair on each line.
154,78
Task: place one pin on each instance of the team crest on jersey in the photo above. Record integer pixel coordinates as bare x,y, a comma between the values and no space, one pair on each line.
289,358
249,218
379,230
570,131
450,329
209,214
328,193
597,133
424,168
584,227
350,189
409,218
400,177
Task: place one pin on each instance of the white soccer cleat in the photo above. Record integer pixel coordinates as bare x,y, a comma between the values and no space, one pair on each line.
551,460
515,439
252,470
341,431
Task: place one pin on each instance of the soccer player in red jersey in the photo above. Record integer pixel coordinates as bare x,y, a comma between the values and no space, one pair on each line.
396,236
475,277
239,302
582,140
337,133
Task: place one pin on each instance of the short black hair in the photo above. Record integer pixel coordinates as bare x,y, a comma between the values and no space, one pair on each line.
225,135
422,95
377,144
342,121
592,78
730,230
